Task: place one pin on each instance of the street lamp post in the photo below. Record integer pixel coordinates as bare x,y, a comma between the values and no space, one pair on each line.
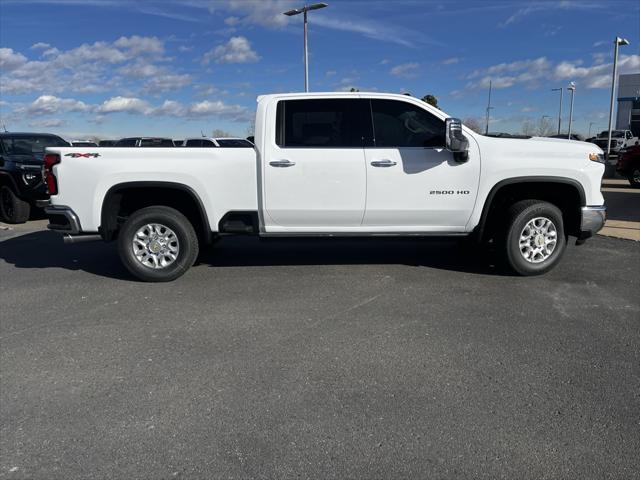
489,107
304,10
617,43
572,87
591,124
559,111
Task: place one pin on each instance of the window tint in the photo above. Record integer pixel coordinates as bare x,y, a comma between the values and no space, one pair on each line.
402,124
208,144
322,123
235,143
194,143
156,142
126,142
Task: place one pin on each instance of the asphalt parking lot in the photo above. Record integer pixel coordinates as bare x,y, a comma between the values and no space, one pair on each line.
375,358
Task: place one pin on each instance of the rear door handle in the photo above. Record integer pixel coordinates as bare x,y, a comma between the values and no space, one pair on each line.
383,163
282,163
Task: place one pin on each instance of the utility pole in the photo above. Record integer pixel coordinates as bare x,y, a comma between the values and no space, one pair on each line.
489,107
559,111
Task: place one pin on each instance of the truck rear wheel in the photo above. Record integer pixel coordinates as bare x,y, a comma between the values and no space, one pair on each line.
12,208
157,244
534,238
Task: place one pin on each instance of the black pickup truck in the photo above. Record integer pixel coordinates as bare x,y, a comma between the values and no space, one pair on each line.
21,184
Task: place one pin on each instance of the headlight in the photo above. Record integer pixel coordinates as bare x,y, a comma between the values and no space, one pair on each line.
596,157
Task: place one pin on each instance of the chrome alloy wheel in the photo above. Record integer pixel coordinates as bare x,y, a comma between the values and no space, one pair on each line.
538,240
155,246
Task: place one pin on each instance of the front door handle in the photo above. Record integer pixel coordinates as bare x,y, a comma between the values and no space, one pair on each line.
282,163
383,163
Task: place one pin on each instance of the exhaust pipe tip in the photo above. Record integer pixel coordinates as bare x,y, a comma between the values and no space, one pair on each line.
69,239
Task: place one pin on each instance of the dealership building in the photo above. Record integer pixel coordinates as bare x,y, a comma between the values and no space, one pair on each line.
629,103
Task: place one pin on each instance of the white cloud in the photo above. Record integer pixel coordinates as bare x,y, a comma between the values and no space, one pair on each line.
534,72
543,6
10,60
451,61
236,50
137,45
47,123
219,109
49,104
139,69
165,83
124,104
405,70
40,45
330,73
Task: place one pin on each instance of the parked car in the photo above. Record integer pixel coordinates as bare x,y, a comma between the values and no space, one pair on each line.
155,142
629,165
574,136
619,139
21,183
107,143
207,142
331,164
83,143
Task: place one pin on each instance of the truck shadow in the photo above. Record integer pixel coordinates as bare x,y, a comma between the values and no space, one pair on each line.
46,250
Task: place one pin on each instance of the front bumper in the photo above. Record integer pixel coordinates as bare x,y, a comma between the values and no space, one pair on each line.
63,219
592,220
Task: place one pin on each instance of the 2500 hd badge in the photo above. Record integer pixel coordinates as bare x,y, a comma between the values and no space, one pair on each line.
449,192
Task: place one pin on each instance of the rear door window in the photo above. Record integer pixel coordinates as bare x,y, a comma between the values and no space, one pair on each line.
323,123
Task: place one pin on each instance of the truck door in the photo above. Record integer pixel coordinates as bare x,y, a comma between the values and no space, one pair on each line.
314,173
413,182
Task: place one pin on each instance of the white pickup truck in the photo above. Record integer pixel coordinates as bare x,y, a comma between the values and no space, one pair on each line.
332,164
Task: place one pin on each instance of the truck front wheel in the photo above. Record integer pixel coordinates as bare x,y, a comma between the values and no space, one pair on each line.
157,244
534,238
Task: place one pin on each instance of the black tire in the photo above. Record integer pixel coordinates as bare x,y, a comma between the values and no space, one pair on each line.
519,215
12,208
168,217
634,178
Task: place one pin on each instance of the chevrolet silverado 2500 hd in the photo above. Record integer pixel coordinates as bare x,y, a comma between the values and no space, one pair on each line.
332,164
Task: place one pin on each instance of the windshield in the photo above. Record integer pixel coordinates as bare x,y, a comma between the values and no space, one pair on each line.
31,145
614,134
84,144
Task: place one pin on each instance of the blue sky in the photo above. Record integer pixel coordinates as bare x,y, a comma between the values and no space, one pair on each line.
113,68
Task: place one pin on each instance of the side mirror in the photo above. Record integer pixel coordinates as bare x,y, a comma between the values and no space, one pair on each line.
456,142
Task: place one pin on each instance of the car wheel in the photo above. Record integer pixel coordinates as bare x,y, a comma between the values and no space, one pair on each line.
534,239
12,208
157,244
634,177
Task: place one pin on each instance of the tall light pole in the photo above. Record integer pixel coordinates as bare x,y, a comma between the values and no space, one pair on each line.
304,10
489,107
572,87
559,111
591,124
617,42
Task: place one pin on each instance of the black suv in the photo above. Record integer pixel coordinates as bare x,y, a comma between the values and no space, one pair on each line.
21,182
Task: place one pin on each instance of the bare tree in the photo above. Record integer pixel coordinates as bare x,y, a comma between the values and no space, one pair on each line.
474,124
545,128
217,133
528,128
251,129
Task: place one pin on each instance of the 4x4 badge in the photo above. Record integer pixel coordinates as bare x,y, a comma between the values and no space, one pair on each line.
84,155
